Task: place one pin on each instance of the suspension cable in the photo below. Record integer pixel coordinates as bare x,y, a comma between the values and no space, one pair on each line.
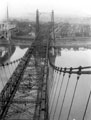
2,80
5,71
8,69
12,66
54,93
53,84
86,106
79,73
59,90
51,80
56,90
64,94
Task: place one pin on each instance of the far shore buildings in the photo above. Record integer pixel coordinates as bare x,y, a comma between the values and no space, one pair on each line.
73,30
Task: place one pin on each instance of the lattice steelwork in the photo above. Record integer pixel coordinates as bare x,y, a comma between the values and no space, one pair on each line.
24,102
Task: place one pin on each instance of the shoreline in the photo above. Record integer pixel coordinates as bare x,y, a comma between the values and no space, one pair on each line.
79,42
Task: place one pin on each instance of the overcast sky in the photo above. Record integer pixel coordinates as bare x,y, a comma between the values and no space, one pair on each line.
19,8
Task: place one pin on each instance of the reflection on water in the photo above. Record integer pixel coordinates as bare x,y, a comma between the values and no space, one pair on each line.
8,70
18,53
73,58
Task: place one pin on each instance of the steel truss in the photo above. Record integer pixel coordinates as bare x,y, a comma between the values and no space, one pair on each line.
24,96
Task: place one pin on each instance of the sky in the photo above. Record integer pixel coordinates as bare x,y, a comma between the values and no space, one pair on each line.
18,8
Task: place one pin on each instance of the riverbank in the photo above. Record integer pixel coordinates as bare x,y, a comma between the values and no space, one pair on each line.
74,42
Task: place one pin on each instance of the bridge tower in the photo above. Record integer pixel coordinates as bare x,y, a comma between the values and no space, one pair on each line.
37,22
7,14
52,25
8,31
52,32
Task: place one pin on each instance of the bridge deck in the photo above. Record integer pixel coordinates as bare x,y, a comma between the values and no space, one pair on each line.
24,101
24,97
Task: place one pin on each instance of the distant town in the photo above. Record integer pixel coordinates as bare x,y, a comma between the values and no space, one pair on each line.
63,26
73,30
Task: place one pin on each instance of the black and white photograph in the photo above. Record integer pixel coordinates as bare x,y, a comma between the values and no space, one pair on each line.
45,59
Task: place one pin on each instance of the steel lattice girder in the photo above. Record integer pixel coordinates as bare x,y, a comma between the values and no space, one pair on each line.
10,88
24,102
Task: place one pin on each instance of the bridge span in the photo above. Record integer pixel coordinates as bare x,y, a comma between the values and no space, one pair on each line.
24,97
31,94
